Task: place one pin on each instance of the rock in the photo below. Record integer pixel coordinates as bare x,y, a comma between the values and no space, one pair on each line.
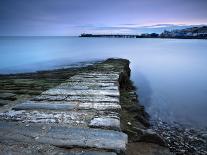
49,98
81,114
181,139
109,120
204,136
8,96
100,106
150,136
65,137
94,98
81,92
141,148
37,149
142,120
129,123
4,102
92,153
31,105
70,118
87,86
106,122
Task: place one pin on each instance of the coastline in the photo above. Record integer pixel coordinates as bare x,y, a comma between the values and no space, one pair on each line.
134,120
137,37
145,137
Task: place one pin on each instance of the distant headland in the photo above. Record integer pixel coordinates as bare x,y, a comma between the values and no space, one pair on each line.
188,33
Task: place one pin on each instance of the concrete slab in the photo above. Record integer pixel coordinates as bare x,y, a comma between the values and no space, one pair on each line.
64,136
67,106
81,92
93,98
31,105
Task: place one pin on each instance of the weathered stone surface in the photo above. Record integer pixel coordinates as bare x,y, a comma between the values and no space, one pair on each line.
100,106
106,122
64,136
82,83
103,75
93,98
72,118
49,98
83,113
81,92
150,136
141,148
16,148
91,74
86,86
92,153
31,105
7,96
91,80
78,98
65,106
4,102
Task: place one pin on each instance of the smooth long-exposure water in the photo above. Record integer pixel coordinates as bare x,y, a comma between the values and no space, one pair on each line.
171,74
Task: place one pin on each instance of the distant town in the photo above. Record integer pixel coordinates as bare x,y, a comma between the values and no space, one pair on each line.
188,33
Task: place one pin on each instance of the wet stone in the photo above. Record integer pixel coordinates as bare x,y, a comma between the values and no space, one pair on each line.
111,123
92,98
31,105
100,106
72,118
65,137
49,98
65,106
95,77
93,80
4,102
82,113
87,86
81,92
82,83
7,96
91,153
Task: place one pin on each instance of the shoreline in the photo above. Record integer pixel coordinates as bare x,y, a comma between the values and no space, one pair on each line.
181,139
17,88
135,37
134,120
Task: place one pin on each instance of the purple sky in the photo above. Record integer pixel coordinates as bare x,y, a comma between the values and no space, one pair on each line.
72,17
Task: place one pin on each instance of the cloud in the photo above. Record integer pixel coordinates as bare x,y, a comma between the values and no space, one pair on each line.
62,17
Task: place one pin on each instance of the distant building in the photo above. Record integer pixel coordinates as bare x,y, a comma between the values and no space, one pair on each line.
194,32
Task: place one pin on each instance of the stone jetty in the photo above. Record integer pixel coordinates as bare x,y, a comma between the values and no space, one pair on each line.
78,117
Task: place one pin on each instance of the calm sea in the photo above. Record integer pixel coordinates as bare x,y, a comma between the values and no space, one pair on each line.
171,74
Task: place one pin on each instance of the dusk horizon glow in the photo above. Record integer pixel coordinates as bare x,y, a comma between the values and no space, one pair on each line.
68,18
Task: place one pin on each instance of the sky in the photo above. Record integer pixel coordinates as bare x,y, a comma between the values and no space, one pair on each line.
72,17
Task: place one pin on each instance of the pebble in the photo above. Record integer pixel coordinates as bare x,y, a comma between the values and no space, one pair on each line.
180,139
204,135
36,138
43,128
129,123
